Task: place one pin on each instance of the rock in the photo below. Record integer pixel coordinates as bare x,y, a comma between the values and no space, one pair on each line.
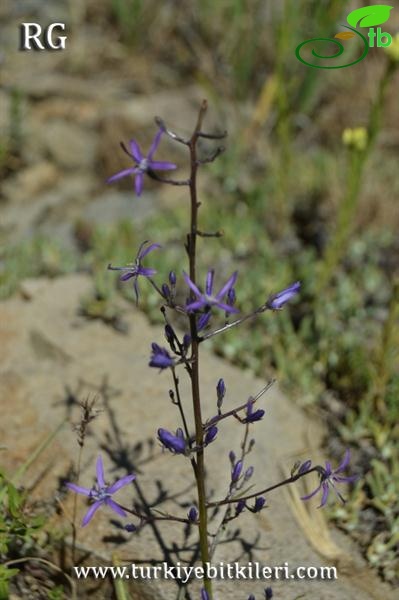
69,145
51,359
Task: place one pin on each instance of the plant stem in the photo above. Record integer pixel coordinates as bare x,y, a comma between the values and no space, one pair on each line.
191,249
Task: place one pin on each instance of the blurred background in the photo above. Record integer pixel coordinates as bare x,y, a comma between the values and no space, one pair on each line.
307,189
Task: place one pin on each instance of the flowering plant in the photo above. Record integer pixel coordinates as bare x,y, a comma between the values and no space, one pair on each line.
200,308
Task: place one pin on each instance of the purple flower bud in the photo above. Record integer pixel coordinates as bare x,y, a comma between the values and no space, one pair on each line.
169,334
160,357
259,503
248,473
220,392
268,593
251,597
277,301
174,443
203,321
165,291
211,434
186,340
204,594
231,297
172,278
236,471
305,467
251,415
232,457
192,514
240,506
130,528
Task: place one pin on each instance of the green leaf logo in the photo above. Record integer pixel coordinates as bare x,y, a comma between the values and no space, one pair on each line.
369,16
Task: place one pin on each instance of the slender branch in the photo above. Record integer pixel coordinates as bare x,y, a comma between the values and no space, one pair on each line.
257,312
153,175
216,234
174,136
212,136
211,157
146,519
234,411
287,481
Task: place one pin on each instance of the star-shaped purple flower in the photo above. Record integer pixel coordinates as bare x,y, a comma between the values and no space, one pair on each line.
143,164
277,301
207,299
101,493
329,478
136,269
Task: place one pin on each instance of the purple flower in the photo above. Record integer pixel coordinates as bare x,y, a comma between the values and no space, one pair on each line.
204,594
252,416
203,321
192,514
220,392
174,443
236,471
160,357
277,301
211,434
101,493
329,478
207,299
304,467
251,597
259,503
268,593
240,506
143,163
136,269
248,473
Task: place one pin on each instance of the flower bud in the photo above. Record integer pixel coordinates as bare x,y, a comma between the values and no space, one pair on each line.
236,471
192,514
211,434
172,278
259,503
220,392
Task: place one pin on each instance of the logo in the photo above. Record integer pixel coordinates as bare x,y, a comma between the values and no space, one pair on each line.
366,17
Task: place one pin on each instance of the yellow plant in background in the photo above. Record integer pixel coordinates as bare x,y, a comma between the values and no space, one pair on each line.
356,138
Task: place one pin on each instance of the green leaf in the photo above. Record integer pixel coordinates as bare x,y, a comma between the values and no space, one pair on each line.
369,16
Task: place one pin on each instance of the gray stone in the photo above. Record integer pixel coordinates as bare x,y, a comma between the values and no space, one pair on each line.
48,354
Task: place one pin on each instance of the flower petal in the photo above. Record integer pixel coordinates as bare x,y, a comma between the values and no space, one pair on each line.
312,493
195,305
229,283
345,462
209,282
127,276
121,174
146,271
154,144
142,253
90,513
135,150
326,491
226,307
138,183
115,507
120,483
157,165
100,472
78,489
191,285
